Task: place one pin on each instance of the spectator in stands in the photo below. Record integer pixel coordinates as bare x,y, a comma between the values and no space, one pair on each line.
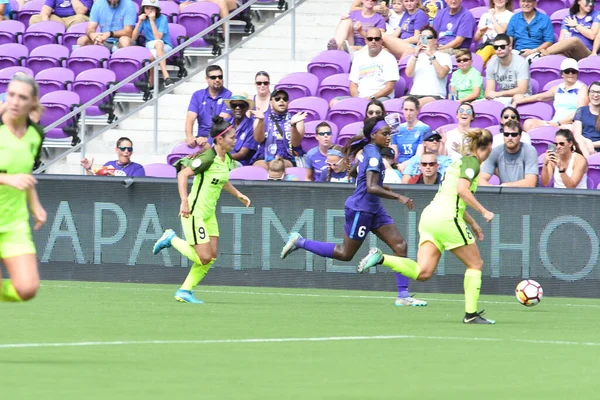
245,146
510,114
374,72
116,19
509,71
278,132
407,140
263,90
353,28
337,168
432,142
566,165
67,12
577,32
155,28
586,123
204,105
455,26
515,163
316,158
392,175
453,139
568,96
276,171
466,83
429,68
490,25
395,15
530,30
429,171
403,40
122,166
5,9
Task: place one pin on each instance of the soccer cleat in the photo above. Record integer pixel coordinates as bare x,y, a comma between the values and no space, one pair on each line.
290,246
410,301
164,242
186,296
477,319
375,257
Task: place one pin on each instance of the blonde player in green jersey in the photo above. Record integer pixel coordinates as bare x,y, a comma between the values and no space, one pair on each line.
20,144
211,174
443,226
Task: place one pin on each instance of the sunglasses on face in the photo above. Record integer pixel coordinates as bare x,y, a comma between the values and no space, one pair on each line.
326,133
280,98
433,140
214,77
335,163
428,164
427,37
512,134
465,111
570,71
560,143
238,105
125,148
506,116
373,38
463,60
499,46
374,112
264,83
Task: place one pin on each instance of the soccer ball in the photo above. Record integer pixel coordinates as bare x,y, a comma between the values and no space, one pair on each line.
529,292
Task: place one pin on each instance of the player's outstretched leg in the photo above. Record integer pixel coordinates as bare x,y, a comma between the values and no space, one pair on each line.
296,241
164,242
290,245
402,265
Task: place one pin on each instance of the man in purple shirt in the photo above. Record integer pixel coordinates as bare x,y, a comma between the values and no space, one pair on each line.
67,12
206,104
455,25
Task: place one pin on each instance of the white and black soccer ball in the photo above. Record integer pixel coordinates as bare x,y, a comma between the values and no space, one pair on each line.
529,292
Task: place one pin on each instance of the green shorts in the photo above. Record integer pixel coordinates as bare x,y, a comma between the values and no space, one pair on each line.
445,234
16,242
198,230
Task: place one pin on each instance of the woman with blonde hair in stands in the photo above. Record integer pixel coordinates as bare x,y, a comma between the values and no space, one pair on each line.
586,123
492,23
338,166
443,226
565,163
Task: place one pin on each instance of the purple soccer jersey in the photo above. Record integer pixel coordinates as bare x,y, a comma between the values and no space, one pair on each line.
450,26
361,200
131,169
410,23
316,161
375,20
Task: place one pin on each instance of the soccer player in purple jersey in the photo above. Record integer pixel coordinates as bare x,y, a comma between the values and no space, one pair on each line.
364,211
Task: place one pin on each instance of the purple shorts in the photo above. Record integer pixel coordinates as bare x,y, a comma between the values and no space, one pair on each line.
359,223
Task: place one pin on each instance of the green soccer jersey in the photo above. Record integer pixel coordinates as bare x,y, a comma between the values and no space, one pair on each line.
211,174
17,156
447,203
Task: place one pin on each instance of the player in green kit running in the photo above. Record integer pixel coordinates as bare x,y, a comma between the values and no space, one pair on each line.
443,226
211,174
20,145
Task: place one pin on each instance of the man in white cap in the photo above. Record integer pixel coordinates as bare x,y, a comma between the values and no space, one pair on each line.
245,145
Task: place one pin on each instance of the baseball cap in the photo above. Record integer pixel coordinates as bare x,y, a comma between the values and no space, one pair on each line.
388,152
151,3
276,92
431,134
569,63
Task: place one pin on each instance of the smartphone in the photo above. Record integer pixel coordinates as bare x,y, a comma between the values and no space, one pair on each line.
552,147
423,40
393,120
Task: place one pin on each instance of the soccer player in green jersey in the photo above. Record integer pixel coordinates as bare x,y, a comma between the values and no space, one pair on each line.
443,226
21,142
211,174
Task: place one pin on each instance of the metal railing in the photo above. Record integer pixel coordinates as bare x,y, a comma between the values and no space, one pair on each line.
157,93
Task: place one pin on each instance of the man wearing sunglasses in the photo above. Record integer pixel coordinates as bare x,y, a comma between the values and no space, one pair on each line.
429,171
515,163
245,145
508,71
204,105
432,143
530,30
455,25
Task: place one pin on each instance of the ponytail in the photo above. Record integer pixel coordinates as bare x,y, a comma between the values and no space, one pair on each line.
475,139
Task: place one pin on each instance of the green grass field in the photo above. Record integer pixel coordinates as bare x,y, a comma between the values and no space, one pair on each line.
82,340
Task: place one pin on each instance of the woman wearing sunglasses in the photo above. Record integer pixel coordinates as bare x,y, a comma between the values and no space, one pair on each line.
122,166
407,141
453,139
316,158
586,123
337,166
565,163
263,91
510,114
466,83
492,23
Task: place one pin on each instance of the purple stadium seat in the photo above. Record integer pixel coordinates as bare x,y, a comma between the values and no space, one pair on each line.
594,169
316,107
169,9
478,12
160,170
541,137
249,173
552,83
197,17
348,132
334,86
90,84
400,88
446,128
539,109
46,32
125,62
549,7
557,18
310,137
394,106
438,113
47,56
10,31
178,35
57,105
589,70
13,55
180,151
494,129
73,33
298,172
6,74
402,70
347,111
487,113
546,69
494,180
299,84
88,57
53,79
328,63
29,9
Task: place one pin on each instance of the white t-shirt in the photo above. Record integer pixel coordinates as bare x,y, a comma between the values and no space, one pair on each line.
425,80
372,73
452,137
393,21
486,20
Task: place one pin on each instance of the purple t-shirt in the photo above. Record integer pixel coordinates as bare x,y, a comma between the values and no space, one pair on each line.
587,22
375,20
244,135
64,8
361,200
411,23
206,107
450,26
131,169
316,161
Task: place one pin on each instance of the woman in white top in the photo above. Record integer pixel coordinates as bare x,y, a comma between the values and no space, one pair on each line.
429,68
263,91
568,97
491,24
567,164
453,140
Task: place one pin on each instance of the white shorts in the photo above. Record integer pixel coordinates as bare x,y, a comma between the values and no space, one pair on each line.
151,45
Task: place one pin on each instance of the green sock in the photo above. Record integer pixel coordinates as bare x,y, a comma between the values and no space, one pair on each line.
404,266
186,249
8,292
472,286
197,273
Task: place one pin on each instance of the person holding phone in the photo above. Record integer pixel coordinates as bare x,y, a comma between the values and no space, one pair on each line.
565,163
